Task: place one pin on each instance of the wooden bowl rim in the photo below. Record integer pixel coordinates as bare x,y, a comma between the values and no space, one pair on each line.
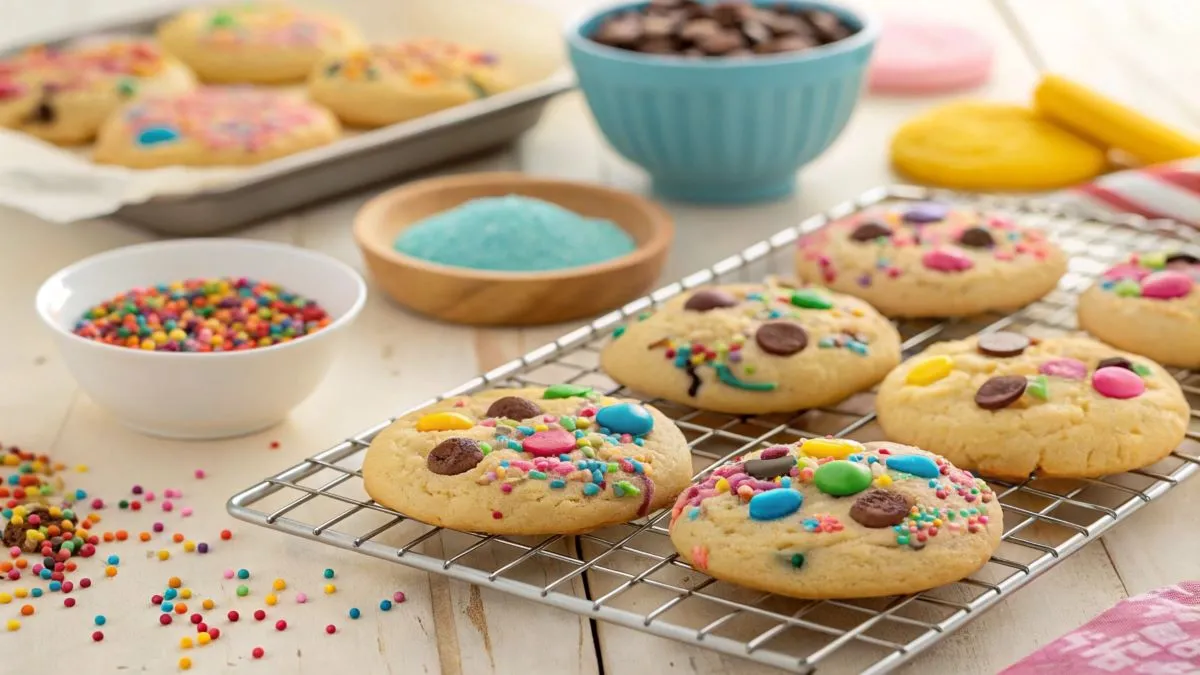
662,225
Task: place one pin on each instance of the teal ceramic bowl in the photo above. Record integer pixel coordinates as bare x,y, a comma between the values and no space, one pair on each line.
717,130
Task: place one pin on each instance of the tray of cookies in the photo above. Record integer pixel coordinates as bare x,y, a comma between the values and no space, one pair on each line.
755,460
190,119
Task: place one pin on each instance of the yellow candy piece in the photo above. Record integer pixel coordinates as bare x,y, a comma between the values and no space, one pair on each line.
930,370
883,481
838,448
722,485
444,421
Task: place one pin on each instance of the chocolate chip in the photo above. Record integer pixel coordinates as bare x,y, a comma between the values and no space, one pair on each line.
827,24
707,299
44,113
1000,392
1002,344
622,30
729,14
880,508
976,237
787,43
513,408
1182,259
756,32
767,469
1115,362
698,29
661,26
781,338
726,42
14,535
870,230
454,456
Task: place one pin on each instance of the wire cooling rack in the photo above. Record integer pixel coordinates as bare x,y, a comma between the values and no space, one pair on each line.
630,575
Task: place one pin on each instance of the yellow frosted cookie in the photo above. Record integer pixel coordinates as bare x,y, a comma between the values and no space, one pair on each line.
992,146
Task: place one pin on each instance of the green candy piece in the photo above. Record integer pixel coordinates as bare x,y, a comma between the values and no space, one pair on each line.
566,391
127,87
1141,369
841,478
618,331
221,20
810,300
1127,288
1154,261
797,560
1038,387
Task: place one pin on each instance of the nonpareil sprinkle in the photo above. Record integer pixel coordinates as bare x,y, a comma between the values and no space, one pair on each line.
513,234
202,315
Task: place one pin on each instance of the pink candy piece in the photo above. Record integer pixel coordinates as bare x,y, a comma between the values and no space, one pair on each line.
925,57
1166,285
186,511
1071,369
228,574
1127,271
10,90
1117,382
301,598
549,443
947,260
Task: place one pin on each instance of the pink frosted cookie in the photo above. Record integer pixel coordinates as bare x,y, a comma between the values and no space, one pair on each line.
928,57
924,259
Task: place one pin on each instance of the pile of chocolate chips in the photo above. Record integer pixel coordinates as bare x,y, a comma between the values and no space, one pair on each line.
689,28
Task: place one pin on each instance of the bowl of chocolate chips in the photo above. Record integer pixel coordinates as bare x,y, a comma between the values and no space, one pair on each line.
722,102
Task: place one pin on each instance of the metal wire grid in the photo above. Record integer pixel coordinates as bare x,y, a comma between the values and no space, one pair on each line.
629,575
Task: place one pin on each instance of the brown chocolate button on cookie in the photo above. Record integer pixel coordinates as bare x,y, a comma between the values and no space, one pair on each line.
1181,258
781,338
877,508
1115,362
870,231
1000,391
976,237
766,469
1002,344
707,299
454,456
513,408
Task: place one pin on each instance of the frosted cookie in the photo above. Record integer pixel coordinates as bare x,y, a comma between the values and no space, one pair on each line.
924,259
1005,406
833,518
1149,305
213,127
992,146
258,43
927,57
385,84
754,348
64,95
559,460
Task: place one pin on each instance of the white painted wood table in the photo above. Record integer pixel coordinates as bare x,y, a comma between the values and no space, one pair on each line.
1138,51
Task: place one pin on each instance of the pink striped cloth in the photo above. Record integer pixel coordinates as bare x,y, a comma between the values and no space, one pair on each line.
1169,190
1156,633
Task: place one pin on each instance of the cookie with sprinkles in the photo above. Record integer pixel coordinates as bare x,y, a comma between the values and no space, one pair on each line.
558,460
384,84
754,348
1150,305
1007,405
213,126
926,259
255,43
834,518
64,95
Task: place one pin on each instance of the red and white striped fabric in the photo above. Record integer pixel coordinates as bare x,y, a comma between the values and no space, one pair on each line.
1169,190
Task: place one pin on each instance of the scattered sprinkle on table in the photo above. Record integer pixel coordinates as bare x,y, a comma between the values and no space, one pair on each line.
243,591
513,234
328,573
385,605
257,652
202,315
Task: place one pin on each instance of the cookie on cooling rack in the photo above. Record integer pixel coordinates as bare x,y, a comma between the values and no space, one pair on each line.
1007,406
925,259
1149,305
755,348
833,518
560,460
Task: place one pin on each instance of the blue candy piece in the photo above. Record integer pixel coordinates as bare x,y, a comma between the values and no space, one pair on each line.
156,135
775,504
625,418
917,465
926,212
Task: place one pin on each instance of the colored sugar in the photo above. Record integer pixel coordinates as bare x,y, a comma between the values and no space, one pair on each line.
514,234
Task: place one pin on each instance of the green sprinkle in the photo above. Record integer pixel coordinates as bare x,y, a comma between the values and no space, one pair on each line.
642,316
566,391
1154,261
1141,369
725,375
127,87
537,475
613,467
902,540
476,88
1038,387
808,299
1127,288
221,20
619,331
749,369
589,452
567,423
243,590
485,448
627,489
797,560
328,573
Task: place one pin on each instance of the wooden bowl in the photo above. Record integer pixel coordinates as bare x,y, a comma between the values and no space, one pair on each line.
484,297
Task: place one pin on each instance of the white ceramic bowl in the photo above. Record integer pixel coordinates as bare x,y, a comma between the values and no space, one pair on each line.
200,395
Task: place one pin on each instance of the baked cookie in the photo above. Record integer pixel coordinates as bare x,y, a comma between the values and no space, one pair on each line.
559,460
255,43
213,127
1149,305
926,259
384,84
833,518
1007,406
754,348
64,95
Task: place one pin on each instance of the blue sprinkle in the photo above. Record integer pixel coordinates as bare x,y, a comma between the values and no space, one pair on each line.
694,513
933,483
591,489
156,135
504,463
167,606
100,620
528,431
558,484
855,458
857,347
37,592
774,314
637,466
825,343
579,433
564,458
80,494
917,465
872,459
385,605
785,481
114,560
45,574
754,296
501,440
597,476
639,442
170,594
55,586
7,513
513,445
618,490
354,613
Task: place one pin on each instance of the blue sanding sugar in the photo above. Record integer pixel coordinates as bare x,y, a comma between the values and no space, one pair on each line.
513,234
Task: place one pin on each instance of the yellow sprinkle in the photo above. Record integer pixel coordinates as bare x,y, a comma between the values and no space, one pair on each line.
540,427
185,642
858,311
271,599
20,592
838,448
330,589
937,522
930,370
185,593
163,554
444,421
279,584
5,598
501,473
208,603
13,624
110,571
11,460
722,485
883,480
55,512
17,521
189,546
186,663
583,422
697,359
203,639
